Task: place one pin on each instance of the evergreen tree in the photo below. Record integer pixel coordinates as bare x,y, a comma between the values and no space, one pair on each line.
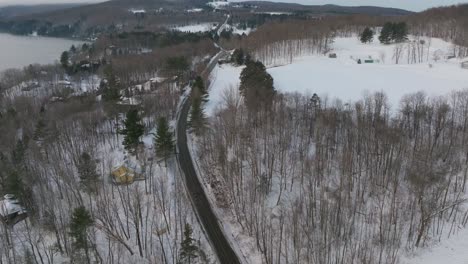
238,57
111,88
188,251
386,33
163,141
200,89
133,130
64,59
257,86
197,119
18,154
14,185
367,35
40,131
400,32
80,223
87,172
397,32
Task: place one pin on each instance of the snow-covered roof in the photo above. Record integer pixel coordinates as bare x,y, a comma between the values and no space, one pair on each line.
137,11
10,205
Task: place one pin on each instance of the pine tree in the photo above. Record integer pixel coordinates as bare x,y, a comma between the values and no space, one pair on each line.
80,222
257,86
367,35
133,130
87,172
188,251
238,57
111,88
14,185
400,32
163,141
64,59
197,119
200,89
386,33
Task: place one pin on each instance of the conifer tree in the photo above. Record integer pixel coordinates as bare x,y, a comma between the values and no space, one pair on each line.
197,119
64,59
200,89
163,141
111,88
87,172
386,33
188,251
367,35
256,86
80,223
133,130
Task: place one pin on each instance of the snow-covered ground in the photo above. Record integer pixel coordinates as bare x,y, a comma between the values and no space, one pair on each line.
345,79
194,10
223,77
450,251
218,4
195,28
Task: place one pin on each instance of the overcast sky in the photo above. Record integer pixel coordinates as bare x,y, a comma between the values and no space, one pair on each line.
414,5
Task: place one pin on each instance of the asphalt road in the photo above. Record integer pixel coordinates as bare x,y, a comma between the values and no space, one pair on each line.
223,249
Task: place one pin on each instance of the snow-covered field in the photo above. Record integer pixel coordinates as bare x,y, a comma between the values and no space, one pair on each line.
195,28
343,78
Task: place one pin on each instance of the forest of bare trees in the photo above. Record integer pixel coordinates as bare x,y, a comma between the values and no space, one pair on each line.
318,181
41,161
308,179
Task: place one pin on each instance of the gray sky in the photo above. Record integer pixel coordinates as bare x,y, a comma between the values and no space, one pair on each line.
414,5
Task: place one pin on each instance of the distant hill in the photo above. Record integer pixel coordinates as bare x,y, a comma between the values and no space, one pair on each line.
329,9
23,10
92,19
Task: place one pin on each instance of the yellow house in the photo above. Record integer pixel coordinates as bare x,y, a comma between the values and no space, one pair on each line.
123,175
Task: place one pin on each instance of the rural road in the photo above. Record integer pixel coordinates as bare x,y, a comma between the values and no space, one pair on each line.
207,217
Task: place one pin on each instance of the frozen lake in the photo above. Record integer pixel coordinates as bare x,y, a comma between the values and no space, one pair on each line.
20,51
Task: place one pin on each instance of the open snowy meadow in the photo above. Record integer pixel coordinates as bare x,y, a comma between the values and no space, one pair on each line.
396,69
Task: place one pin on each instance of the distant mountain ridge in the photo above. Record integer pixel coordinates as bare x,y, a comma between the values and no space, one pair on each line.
23,10
332,9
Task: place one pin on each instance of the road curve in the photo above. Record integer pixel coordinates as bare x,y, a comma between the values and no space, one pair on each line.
212,227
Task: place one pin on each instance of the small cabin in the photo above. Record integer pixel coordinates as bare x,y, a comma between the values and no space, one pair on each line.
464,65
332,56
369,61
11,212
123,175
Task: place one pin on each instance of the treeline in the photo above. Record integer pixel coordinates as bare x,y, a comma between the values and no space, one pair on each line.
449,23
316,181
279,42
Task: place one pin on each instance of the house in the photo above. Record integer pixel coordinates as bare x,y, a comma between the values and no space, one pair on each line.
118,51
123,175
332,56
464,65
11,212
28,86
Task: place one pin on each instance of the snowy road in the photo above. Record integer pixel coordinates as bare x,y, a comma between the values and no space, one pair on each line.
206,215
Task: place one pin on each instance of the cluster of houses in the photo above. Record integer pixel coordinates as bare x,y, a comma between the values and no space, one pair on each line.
119,51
